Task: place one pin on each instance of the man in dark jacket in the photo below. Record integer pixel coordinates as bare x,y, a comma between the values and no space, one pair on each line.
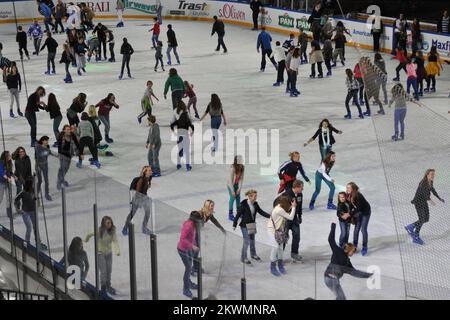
255,5
51,45
101,35
126,51
172,44
219,28
296,193
21,39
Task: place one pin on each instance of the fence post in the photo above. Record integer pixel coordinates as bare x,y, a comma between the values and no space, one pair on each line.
154,265
132,252
64,216
96,251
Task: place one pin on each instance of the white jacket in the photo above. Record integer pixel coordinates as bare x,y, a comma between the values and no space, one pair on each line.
295,63
279,54
278,217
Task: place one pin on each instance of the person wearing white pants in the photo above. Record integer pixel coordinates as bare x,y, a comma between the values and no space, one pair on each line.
183,122
120,7
74,19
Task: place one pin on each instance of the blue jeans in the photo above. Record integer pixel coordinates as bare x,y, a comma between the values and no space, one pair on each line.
335,286
294,226
363,223
412,81
153,158
324,151
155,40
169,49
186,257
29,218
399,118
319,178
232,199
345,233
249,239
216,121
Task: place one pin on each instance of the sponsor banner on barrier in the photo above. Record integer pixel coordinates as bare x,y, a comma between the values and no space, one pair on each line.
275,19
231,12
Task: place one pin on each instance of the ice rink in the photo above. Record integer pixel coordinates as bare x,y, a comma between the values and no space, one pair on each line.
386,172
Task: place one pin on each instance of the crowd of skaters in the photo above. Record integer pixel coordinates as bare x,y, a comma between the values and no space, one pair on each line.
351,206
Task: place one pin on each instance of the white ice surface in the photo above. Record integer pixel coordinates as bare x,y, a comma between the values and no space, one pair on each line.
249,101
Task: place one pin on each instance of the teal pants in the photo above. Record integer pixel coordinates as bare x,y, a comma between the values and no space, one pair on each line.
232,199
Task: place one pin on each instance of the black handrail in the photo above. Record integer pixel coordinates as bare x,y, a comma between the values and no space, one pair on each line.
6,294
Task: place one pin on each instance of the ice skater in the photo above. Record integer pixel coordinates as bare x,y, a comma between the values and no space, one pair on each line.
68,146
55,114
126,50
80,49
284,211
402,61
21,39
296,194
67,58
421,72
433,69
176,85
234,185
263,42
219,28
172,44
361,212
100,30
189,92
328,55
51,45
371,74
186,248
33,105
156,31
107,243
294,64
104,108
14,85
25,204
381,81
153,145
6,177
400,98
41,152
279,55
215,110
86,135
78,105
35,33
345,218
159,56
120,7
247,214
183,123
22,165
316,57
420,202
139,188
339,47
287,172
303,44
147,102
352,92
323,173
110,42
411,70
326,139
340,264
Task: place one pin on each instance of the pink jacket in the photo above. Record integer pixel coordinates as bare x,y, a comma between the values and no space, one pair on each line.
187,237
411,70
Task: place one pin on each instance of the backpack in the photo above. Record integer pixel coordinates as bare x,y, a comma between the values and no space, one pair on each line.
134,183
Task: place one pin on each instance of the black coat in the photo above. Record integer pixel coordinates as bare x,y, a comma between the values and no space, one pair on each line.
171,38
244,213
361,206
126,48
423,193
219,28
319,134
23,168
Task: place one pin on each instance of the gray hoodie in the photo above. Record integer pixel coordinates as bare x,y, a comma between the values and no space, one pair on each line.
154,135
85,129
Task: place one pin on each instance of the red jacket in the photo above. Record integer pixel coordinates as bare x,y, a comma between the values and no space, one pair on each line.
401,56
357,71
156,29
104,108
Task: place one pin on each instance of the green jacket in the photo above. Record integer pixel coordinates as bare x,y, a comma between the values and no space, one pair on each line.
175,83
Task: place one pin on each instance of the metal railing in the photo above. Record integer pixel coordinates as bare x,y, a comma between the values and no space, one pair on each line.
18,295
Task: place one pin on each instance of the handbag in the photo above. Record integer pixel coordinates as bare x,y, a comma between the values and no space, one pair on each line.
251,228
281,236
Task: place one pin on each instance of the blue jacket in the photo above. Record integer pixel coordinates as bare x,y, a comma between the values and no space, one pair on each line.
3,172
264,40
35,31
